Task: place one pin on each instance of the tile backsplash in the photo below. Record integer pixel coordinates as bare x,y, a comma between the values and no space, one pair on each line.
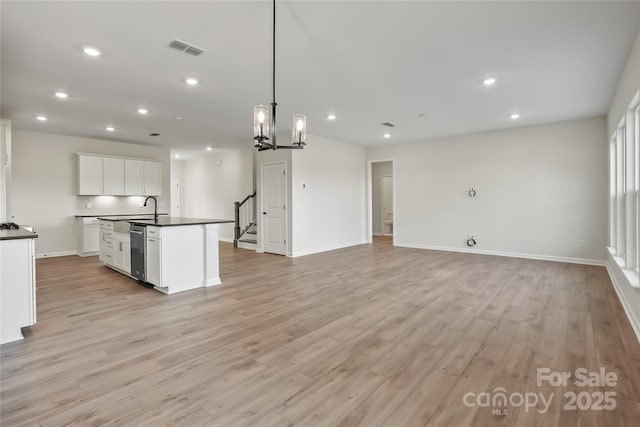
110,205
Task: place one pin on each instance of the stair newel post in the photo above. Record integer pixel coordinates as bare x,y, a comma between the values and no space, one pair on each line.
236,229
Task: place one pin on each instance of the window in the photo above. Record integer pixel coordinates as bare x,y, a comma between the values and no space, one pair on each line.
621,246
636,136
624,188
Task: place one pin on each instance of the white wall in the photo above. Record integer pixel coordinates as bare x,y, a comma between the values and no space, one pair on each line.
44,182
542,189
209,189
378,170
627,87
330,212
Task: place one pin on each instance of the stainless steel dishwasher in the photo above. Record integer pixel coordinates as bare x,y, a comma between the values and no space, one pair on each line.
138,234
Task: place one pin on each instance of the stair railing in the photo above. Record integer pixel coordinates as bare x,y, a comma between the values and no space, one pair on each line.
245,217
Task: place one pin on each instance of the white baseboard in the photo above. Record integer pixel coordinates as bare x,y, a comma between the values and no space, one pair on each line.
570,260
212,282
327,248
635,323
378,234
224,239
55,254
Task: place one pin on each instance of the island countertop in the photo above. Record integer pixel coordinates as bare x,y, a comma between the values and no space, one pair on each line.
171,221
17,234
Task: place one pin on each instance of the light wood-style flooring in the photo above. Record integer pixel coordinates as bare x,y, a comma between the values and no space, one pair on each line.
369,335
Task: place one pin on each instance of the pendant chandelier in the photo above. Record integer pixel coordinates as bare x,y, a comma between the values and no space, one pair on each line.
264,124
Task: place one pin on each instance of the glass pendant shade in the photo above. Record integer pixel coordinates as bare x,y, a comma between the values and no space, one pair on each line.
261,122
299,129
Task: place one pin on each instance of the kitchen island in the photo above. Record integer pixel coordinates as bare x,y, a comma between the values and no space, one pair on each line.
174,254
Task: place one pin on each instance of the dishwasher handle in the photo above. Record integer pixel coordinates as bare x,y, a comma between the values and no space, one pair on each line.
136,232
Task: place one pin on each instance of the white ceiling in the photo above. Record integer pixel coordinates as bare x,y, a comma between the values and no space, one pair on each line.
366,61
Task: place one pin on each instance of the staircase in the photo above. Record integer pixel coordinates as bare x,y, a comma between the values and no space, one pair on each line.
246,225
249,239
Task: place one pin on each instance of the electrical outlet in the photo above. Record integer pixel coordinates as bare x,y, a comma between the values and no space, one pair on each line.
581,243
89,205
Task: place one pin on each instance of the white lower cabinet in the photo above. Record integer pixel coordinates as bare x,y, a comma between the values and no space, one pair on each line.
17,288
154,260
122,252
88,236
107,252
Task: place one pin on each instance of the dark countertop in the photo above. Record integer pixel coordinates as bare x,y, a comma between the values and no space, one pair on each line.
117,217
169,221
17,234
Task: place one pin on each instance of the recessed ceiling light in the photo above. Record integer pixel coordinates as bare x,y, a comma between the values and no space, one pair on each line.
177,156
143,110
331,117
92,51
209,148
178,118
514,116
191,81
110,128
41,118
490,81
387,135
62,95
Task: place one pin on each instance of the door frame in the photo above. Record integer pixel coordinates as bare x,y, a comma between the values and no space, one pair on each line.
382,213
173,180
370,199
261,224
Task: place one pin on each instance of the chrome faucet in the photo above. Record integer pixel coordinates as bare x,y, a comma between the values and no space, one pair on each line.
155,206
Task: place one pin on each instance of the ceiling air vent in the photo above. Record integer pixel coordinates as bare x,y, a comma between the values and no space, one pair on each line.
154,134
185,47
387,124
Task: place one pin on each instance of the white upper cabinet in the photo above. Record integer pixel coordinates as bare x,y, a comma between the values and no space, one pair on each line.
90,175
133,177
152,178
113,176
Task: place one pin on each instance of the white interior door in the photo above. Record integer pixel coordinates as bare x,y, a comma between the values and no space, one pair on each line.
274,200
175,196
387,205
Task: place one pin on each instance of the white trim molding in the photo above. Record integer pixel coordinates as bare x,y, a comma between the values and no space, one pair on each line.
570,260
296,254
55,254
625,289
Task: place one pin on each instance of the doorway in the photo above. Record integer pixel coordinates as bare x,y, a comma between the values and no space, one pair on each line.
274,201
381,184
175,196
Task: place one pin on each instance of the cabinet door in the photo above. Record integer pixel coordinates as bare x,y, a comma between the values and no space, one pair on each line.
153,255
118,259
126,253
113,176
133,177
152,178
90,175
91,238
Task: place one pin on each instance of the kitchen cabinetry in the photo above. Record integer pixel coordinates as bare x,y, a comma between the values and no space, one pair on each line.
88,236
142,178
5,170
107,252
154,256
90,180
152,178
122,250
17,287
114,176
133,177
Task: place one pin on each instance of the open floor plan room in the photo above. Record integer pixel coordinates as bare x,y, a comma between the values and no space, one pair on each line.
370,335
